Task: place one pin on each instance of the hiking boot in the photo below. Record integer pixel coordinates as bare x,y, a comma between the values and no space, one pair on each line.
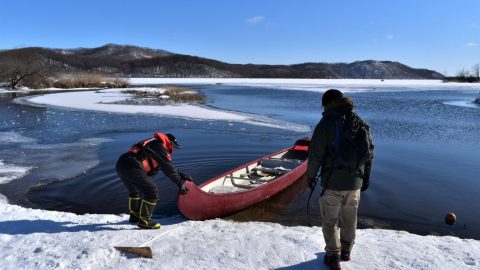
332,261
134,208
145,217
345,255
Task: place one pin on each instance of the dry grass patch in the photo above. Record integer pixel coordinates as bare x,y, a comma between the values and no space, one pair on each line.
183,94
165,95
89,80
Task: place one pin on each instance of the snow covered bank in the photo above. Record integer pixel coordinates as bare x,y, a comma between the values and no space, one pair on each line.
19,89
104,101
319,85
29,90
38,239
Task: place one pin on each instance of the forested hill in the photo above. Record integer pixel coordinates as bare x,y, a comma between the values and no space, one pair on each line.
133,61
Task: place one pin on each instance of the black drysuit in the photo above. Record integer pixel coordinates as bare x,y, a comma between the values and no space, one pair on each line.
133,174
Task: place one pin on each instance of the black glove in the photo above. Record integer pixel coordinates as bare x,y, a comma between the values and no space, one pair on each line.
184,176
312,182
365,184
182,188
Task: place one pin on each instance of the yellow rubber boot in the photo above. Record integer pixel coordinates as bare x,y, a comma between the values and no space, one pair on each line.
134,208
146,212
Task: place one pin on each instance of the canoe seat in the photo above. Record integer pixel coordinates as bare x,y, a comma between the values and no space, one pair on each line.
224,189
245,181
274,171
277,166
262,180
286,163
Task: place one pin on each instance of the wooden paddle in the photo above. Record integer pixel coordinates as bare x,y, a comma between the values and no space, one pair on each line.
144,252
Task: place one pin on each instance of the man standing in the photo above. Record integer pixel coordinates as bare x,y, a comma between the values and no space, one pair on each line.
341,146
138,165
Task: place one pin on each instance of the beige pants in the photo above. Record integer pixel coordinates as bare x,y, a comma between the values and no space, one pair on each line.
339,216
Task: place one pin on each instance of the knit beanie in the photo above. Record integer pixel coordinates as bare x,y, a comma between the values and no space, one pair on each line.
330,95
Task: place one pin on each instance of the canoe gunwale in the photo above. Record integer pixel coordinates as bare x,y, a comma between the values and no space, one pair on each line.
241,167
199,204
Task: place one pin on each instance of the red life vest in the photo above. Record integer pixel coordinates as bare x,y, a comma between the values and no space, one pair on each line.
150,165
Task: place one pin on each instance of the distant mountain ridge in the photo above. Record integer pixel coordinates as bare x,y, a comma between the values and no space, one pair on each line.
134,61
119,52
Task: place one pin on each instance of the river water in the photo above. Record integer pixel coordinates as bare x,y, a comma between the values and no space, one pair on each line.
426,161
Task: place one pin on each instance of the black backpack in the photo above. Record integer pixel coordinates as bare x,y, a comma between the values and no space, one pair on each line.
352,146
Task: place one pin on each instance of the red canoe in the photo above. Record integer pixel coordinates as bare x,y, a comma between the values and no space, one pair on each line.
246,185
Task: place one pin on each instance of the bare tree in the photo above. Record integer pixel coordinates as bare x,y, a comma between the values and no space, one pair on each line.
17,68
463,73
476,71
13,73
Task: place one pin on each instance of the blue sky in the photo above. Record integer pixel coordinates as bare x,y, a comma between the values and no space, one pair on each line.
443,35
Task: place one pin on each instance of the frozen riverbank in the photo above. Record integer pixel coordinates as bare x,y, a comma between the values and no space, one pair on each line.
39,239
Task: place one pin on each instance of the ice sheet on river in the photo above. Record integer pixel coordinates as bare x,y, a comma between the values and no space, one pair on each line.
23,155
319,85
14,137
9,172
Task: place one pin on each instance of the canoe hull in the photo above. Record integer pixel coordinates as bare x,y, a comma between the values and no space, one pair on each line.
199,205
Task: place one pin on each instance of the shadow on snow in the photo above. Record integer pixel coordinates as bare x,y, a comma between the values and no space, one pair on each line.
23,226
313,264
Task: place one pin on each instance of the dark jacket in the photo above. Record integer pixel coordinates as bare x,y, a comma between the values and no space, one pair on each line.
153,150
157,151
319,151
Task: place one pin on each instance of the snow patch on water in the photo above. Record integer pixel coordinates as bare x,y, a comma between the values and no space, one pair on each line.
14,137
96,141
10,172
463,103
80,144
3,200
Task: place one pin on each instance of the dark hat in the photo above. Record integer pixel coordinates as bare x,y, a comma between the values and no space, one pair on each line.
173,140
330,95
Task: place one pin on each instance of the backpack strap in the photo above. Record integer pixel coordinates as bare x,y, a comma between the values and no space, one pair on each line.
335,145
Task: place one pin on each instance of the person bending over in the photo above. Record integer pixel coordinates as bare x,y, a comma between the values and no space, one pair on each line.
136,169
